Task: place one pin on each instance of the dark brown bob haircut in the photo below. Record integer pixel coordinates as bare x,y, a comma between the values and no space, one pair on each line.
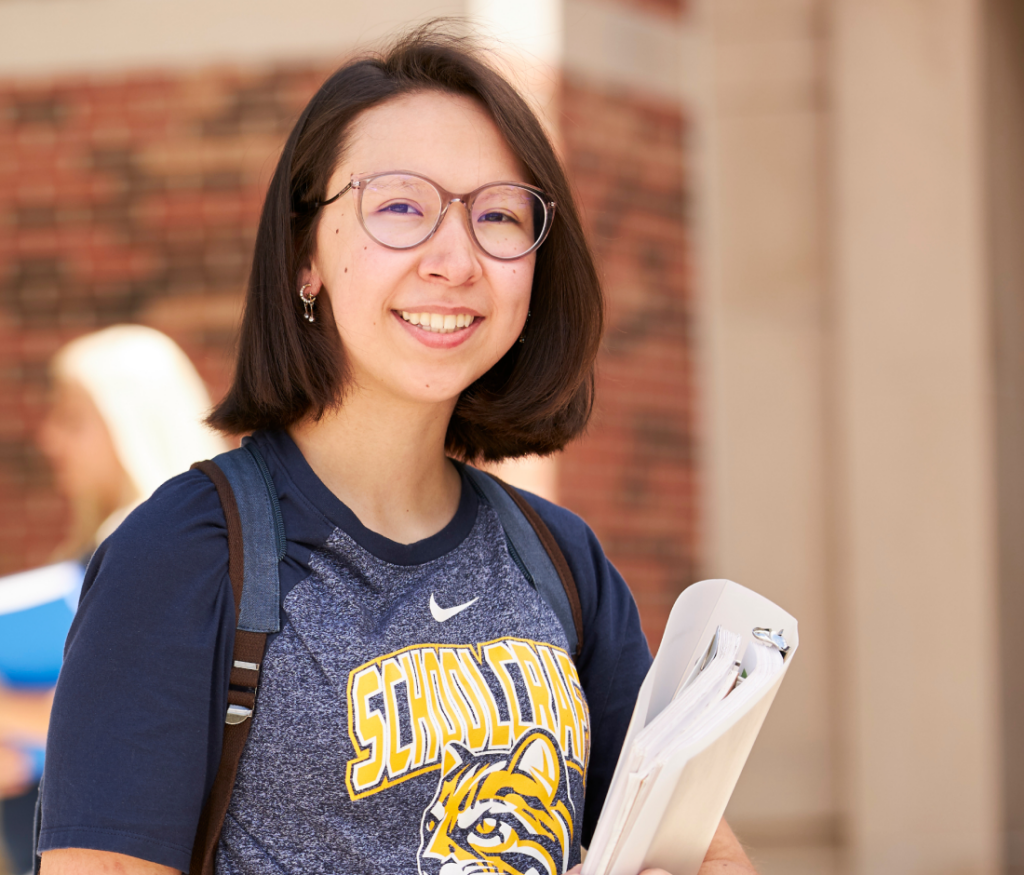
539,396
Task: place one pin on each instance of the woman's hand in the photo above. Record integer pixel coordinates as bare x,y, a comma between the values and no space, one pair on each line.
24,714
725,856
23,720
15,771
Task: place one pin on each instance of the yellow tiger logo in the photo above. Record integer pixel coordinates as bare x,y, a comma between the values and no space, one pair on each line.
500,812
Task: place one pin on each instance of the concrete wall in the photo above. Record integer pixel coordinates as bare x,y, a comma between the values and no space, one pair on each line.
765,336
850,390
914,392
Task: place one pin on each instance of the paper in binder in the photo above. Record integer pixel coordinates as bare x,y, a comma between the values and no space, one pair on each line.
721,660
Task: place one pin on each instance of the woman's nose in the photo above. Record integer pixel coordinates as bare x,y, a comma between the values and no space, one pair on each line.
451,254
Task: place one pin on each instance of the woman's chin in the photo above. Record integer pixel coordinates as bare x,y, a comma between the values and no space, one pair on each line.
420,389
437,394
419,383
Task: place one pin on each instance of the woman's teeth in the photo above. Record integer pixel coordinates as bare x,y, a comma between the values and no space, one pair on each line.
437,323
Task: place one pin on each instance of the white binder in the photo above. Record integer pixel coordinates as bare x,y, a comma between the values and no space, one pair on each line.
665,815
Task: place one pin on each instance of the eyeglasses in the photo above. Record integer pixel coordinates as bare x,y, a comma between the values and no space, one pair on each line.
401,210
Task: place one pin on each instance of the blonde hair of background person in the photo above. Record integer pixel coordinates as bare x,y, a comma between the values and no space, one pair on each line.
126,415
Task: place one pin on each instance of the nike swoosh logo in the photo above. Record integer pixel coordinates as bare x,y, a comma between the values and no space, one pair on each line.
441,614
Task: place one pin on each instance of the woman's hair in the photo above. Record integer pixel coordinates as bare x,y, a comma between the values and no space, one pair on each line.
151,400
540,394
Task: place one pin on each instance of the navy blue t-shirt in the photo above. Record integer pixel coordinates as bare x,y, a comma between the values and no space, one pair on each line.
135,736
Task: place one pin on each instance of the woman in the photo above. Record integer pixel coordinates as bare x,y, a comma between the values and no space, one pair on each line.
125,414
389,325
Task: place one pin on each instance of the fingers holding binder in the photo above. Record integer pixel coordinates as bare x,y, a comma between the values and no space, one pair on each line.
575,870
725,855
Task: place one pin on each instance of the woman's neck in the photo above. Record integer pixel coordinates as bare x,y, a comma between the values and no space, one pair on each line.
385,460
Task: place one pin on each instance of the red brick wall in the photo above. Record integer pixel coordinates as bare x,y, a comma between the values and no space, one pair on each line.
633,478
136,199
122,199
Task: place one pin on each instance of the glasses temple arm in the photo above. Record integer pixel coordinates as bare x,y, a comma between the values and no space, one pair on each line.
320,204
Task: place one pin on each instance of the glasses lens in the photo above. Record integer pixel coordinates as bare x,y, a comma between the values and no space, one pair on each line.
399,210
507,220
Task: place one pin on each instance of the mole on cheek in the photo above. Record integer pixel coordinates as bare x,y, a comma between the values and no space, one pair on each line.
346,270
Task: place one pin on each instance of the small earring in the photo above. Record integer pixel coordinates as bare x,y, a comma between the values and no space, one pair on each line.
522,337
308,302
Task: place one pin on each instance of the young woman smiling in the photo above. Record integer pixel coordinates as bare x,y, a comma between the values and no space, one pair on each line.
418,710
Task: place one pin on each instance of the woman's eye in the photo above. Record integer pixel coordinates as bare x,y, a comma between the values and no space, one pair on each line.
400,209
495,216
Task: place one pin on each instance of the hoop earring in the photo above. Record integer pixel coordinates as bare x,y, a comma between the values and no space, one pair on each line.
522,337
308,303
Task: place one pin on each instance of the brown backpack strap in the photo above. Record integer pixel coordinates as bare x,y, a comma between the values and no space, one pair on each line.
557,558
245,669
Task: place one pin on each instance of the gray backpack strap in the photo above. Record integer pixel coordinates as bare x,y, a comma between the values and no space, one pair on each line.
256,544
262,536
534,549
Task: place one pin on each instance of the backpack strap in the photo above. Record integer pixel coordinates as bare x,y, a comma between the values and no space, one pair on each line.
256,545
534,549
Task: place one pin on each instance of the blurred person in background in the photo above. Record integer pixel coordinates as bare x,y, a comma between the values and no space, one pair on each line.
125,415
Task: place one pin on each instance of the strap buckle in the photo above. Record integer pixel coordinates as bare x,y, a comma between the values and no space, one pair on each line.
237,714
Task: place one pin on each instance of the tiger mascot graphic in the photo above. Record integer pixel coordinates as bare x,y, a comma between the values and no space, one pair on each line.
500,812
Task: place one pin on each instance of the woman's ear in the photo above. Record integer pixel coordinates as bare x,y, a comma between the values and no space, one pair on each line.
309,287
309,281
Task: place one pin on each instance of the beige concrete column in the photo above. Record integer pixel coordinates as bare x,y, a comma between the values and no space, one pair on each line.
760,146
913,399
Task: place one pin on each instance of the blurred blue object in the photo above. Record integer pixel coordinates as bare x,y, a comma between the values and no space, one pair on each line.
36,610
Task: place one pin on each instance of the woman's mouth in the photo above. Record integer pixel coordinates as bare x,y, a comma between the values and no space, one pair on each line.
438,323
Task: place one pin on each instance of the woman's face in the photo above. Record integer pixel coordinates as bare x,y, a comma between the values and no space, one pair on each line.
454,142
76,442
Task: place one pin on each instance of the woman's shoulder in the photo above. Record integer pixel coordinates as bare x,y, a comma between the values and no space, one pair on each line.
187,503
576,539
176,536
186,493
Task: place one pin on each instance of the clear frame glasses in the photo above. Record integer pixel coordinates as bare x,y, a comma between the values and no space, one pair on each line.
400,210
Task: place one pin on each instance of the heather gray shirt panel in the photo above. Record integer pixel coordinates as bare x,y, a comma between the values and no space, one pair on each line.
388,741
